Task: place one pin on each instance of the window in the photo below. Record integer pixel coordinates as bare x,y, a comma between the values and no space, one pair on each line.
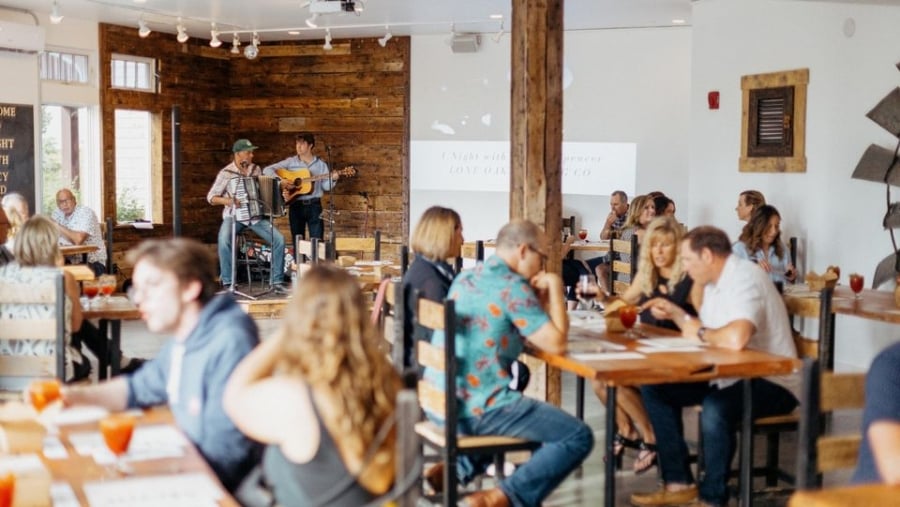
65,67
69,155
773,135
133,73
138,144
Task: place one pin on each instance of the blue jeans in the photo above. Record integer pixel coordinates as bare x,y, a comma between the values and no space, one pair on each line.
266,232
566,443
719,422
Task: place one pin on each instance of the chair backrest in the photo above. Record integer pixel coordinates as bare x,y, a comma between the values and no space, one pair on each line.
315,250
408,461
470,251
569,222
439,399
623,255
822,310
824,392
364,245
404,259
42,306
108,232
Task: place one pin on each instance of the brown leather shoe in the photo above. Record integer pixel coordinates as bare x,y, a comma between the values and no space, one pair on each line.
665,497
494,497
434,477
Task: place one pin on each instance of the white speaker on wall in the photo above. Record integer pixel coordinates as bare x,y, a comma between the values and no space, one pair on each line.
464,42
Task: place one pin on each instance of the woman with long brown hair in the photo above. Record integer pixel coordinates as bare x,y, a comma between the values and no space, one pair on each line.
761,243
321,395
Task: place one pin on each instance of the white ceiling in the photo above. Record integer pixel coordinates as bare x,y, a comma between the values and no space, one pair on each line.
272,18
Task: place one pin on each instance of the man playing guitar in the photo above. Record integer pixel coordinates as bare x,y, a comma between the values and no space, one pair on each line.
305,209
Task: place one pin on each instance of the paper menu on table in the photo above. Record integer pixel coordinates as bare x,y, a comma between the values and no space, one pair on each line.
183,490
670,343
606,356
585,346
587,320
148,442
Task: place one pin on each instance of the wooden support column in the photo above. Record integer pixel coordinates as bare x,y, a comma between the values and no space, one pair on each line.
536,139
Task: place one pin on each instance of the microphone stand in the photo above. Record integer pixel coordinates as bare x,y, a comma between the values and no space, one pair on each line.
331,192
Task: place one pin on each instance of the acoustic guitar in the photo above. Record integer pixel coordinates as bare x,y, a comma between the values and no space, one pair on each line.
300,182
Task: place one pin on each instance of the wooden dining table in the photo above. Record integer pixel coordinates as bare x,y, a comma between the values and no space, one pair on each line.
81,250
111,313
80,271
596,354
865,495
78,470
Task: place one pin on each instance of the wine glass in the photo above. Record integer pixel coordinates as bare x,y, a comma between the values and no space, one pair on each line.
582,234
107,286
7,489
628,316
90,288
43,392
857,281
587,290
117,430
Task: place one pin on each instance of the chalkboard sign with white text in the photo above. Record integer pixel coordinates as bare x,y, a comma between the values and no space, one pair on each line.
17,150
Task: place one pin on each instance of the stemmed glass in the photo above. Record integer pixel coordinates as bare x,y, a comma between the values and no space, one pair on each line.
42,393
117,430
90,288
587,290
7,489
857,281
107,286
628,316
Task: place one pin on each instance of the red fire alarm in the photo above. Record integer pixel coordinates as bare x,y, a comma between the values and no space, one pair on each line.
713,99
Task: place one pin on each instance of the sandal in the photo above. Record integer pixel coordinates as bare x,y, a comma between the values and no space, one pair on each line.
620,442
646,458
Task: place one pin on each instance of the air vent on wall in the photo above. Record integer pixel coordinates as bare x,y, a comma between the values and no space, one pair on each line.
18,38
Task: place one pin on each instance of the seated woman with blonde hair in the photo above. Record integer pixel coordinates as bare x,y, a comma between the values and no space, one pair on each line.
659,274
38,259
321,396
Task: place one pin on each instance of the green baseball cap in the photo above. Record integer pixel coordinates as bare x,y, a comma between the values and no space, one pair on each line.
243,145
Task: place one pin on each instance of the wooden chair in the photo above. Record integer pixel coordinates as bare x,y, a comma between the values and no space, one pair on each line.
824,392
18,371
108,233
569,222
365,246
440,399
620,268
313,250
404,259
470,252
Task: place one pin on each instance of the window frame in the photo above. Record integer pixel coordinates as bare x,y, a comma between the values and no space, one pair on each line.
789,155
152,71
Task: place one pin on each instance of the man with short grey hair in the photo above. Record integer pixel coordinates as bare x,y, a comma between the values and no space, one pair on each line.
78,225
618,209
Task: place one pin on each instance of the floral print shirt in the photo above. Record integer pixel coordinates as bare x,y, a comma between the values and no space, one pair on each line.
496,309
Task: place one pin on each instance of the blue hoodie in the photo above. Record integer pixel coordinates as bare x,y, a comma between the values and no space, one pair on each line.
223,336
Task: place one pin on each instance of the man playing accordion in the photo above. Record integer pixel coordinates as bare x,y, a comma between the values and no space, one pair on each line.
231,191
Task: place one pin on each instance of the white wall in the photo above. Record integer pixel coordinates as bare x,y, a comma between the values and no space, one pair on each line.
838,217
621,86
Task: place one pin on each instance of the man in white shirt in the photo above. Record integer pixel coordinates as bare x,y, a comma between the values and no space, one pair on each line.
741,309
78,225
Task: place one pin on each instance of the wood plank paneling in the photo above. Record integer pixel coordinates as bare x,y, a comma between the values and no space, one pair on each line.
354,99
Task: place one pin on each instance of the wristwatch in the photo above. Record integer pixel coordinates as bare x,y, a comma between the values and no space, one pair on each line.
701,332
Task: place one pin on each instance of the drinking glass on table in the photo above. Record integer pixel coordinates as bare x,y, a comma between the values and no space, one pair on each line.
117,430
43,392
90,289
582,234
587,290
857,281
107,286
628,316
7,489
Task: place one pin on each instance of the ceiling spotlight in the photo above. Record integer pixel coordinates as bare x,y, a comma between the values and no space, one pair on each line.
55,17
214,41
236,45
311,21
143,29
387,36
499,35
327,46
252,51
182,36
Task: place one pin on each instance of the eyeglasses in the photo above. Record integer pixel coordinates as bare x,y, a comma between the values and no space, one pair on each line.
63,201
